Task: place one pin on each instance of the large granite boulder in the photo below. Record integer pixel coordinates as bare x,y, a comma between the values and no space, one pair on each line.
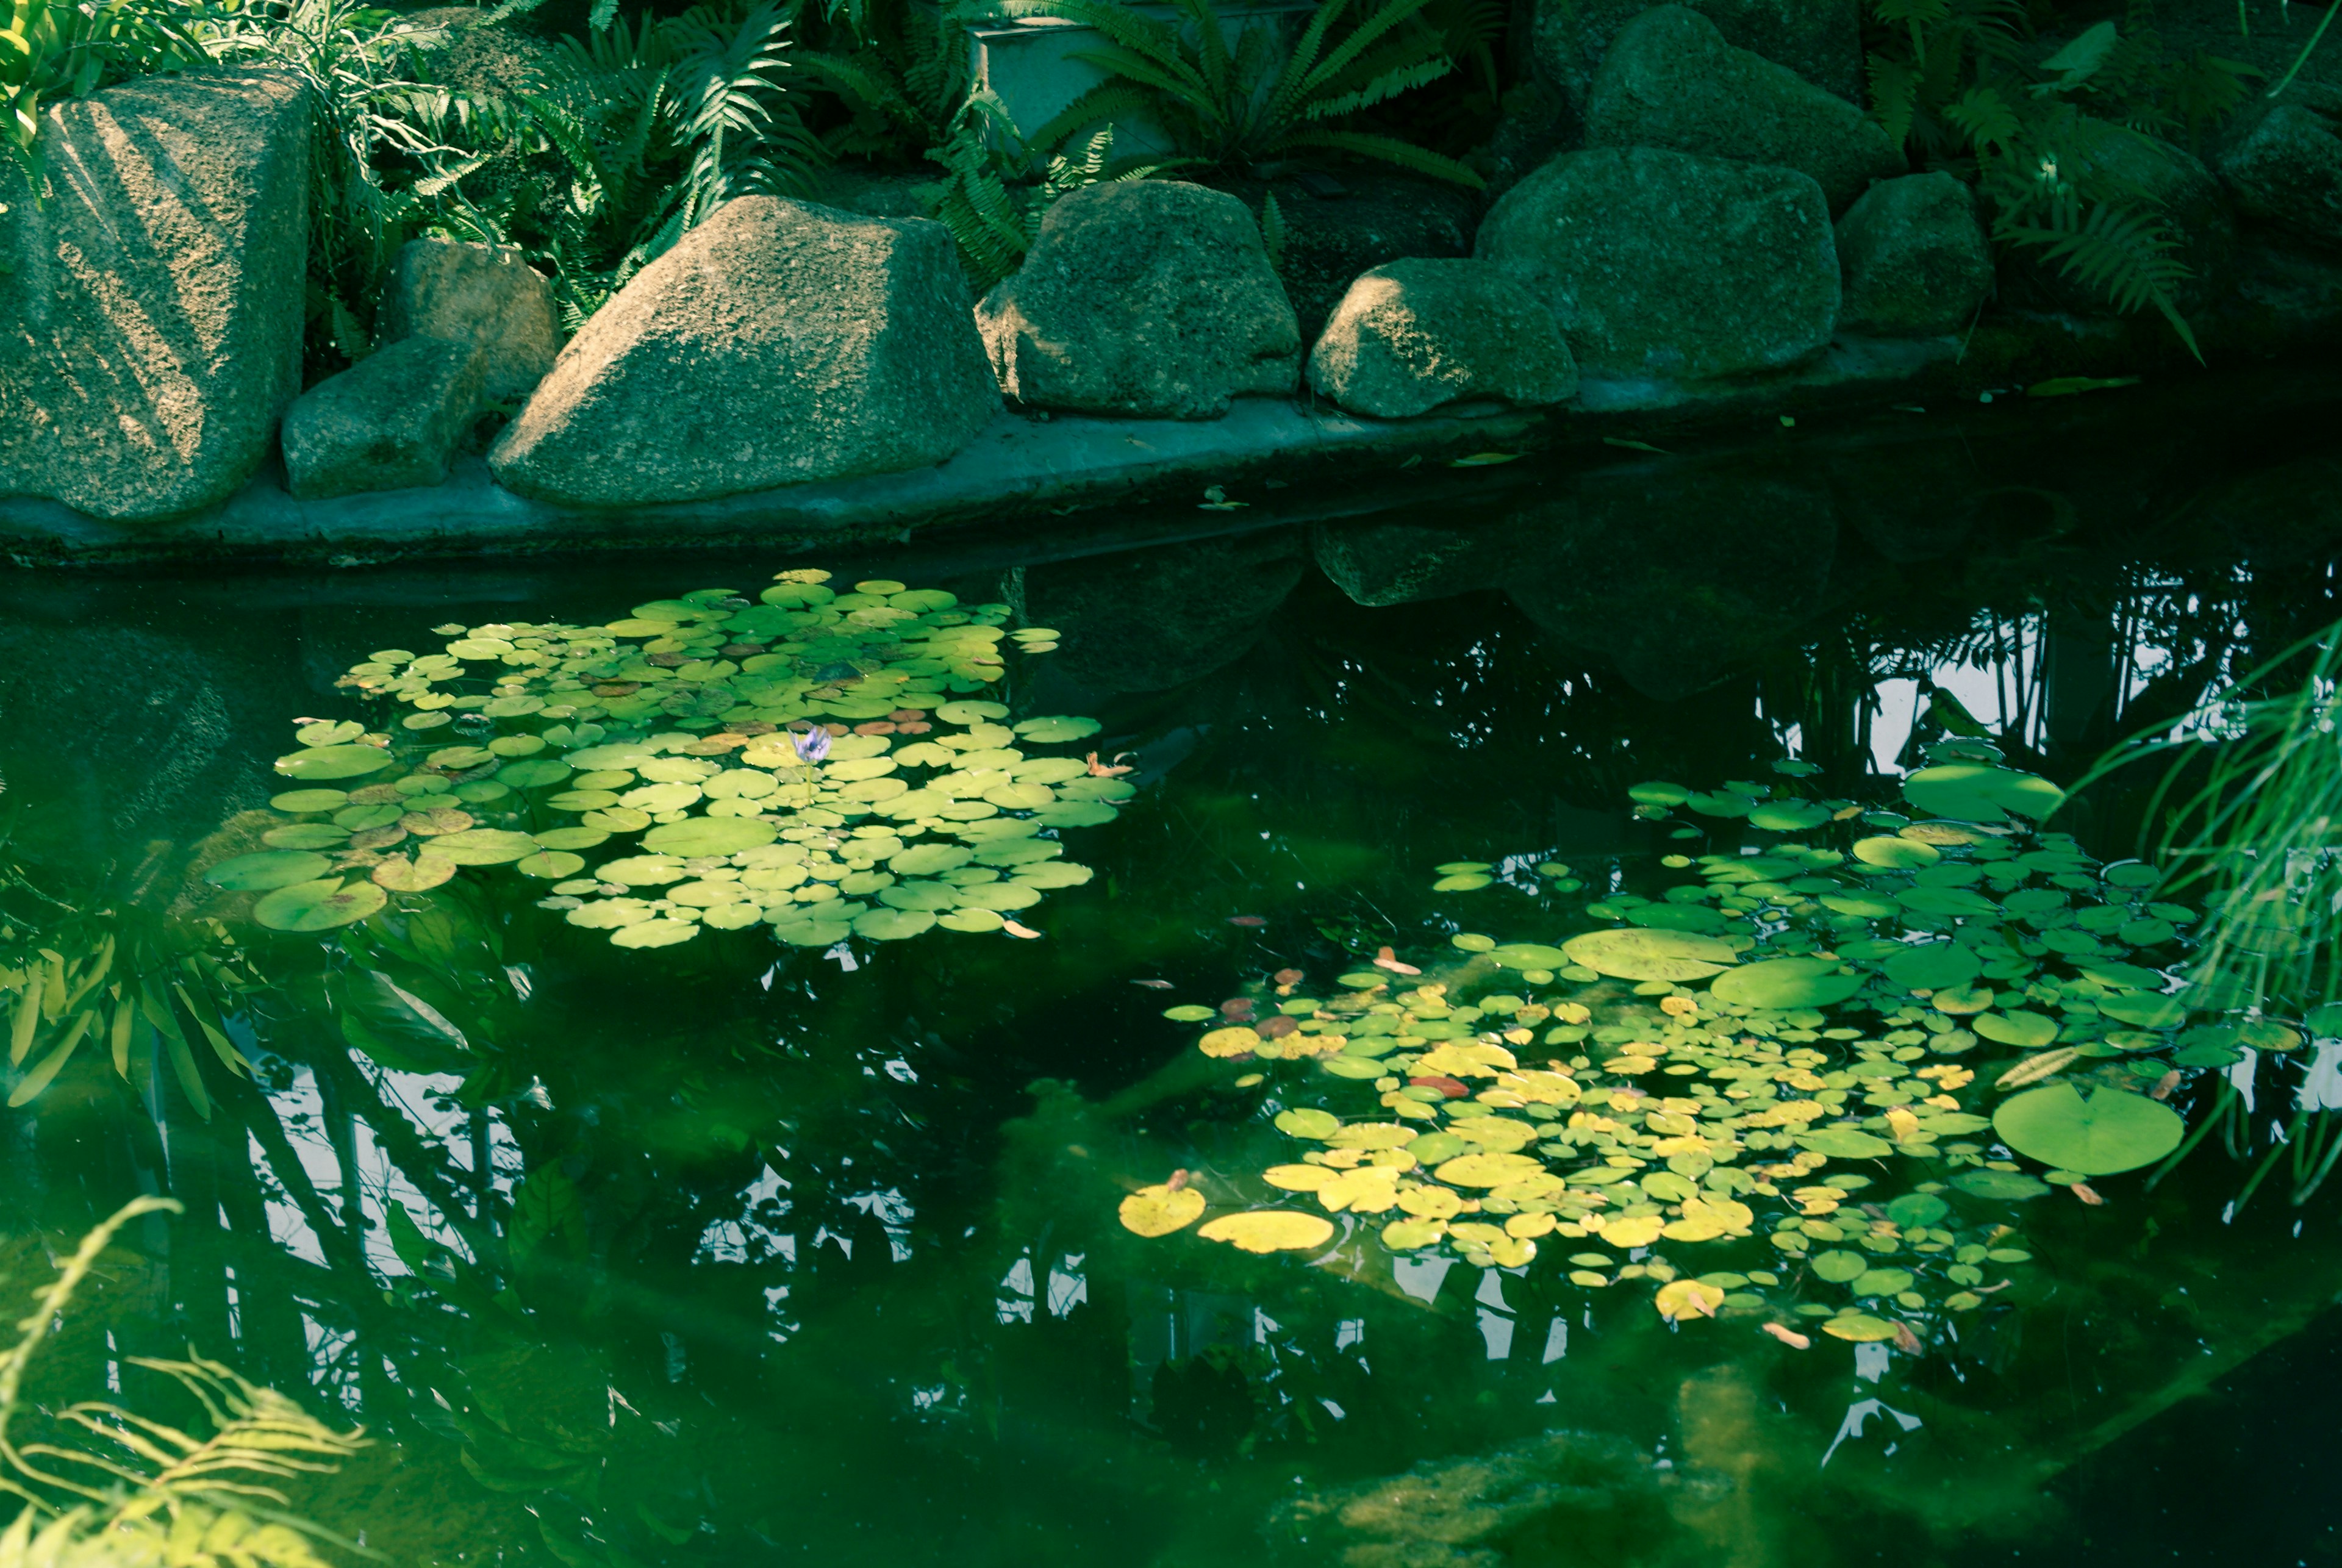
1670,80
1335,229
1414,335
388,423
1661,263
776,343
483,295
1820,40
1915,261
150,333
2288,171
1152,298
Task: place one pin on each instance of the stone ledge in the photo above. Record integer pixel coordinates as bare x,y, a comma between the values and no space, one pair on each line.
1017,466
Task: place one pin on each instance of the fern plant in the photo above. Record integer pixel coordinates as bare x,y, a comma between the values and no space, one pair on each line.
1954,82
902,70
659,124
995,186
53,49
1240,109
136,1492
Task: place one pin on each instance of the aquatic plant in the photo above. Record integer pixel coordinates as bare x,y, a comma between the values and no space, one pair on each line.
106,973
1953,80
1731,1064
1242,109
137,1493
677,746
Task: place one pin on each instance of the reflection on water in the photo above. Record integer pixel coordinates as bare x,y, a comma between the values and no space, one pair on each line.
735,1254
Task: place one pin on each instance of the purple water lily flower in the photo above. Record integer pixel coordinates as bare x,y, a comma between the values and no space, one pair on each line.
812,744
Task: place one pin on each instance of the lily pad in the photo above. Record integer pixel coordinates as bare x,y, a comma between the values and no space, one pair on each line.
655,933
1845,1143
699,836
1787,816
1270,1231
1785,983
334,761
1642,954
2147,1010
2109,1132
1977,792
1939,966
268,869
1056,728
1305,1123
484,846
319,905
1159,1211
1895,854
421,875
1999,1186
892,924
1859,1327
2025,1031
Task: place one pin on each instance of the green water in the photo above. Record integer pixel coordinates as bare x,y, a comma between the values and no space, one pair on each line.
817,1258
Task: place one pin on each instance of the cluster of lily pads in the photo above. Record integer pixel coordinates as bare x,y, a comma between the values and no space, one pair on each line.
1832,1061
815,760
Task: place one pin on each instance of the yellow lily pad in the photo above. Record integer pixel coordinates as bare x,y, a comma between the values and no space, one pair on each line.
1270,1231
1160,1210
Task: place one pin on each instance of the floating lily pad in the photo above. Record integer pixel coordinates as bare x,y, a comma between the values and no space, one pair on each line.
1305,1123
532,773
421,875
1913,1209
319,905
1640,955
1159,1211
1938,967
1999,1186
655,933
1785,983
1788,816
1860,1327
1977,792
300,802
892,924
334,761
1491,1170
1895,854
550,865
2109,1132
1526,955
2025,1031
267,869
1056,729
1845,1143
1840,1267
2146,1011
484,846
699,836
1270,1231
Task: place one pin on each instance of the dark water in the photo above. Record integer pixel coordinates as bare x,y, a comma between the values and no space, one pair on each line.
818,1260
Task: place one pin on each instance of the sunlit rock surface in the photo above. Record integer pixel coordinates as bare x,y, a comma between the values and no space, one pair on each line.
1152,298
778,343
150,333
388,423
483,295
1416,333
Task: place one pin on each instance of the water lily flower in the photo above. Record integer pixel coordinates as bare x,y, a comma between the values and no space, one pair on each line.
812,746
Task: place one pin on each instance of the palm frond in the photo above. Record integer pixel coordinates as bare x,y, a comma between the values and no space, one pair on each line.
1389,150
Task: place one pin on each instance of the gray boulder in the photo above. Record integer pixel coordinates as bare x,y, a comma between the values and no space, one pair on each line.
1820,40
1661,263
483,295
1416,333
388,423
1915,261
150,333
1151,298
1340,229
1670,80
778,342
2288,173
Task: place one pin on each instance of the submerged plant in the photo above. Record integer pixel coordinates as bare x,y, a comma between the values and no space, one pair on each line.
1730,1066
138,1494
816,762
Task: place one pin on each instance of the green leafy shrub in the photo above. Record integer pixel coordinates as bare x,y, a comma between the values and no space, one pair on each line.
995,186
50,50
1954,82
1241,109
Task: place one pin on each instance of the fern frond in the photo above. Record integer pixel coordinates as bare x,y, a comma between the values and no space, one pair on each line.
2124,254
1101,103
1986,118
1388,150
1389,84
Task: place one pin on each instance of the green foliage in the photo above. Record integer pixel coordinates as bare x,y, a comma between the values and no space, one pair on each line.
996,187
122,1491
1242,110
53,49
658,125
1956,82
903,71
106,978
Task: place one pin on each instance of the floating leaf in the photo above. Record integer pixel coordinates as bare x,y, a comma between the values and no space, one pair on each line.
1640,955
1859,1327
699,836
2025,1031
1782,984
484,846
1305,1123
2000,1186
334,761
655,933
1976,792
1270,1231
319,905
1688,1298
420,874
1787,816
1845,1143
267,869
1490,1169
1840,1267
1937,966
1160,1210
2109,1132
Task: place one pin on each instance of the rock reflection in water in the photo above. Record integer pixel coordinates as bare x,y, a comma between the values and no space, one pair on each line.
1153,619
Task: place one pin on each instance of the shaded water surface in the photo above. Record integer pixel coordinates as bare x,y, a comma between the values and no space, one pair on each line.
735,1252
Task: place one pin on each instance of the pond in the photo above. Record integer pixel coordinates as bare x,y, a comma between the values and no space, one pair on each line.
757,1161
